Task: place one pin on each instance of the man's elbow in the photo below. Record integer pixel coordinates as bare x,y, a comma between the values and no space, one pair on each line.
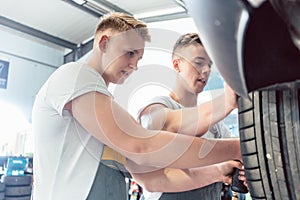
151,124
139,153
151,186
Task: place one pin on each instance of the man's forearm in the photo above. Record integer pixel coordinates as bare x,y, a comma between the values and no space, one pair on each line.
178,180
196,121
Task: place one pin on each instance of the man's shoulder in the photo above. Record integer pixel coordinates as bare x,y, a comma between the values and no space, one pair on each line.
166,101
162,100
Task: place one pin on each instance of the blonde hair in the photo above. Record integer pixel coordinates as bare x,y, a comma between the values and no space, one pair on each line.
122,22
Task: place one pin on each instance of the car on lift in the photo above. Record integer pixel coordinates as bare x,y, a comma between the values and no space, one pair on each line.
255,45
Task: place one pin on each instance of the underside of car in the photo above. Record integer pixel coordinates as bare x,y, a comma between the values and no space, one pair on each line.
256,47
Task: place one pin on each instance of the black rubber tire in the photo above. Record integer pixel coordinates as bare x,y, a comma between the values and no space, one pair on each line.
17,180
270,141
2,187
2,195
18,198
17,191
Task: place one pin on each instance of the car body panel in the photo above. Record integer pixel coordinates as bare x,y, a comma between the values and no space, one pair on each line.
251,46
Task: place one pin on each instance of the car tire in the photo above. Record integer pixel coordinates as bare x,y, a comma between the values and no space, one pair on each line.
2,195
17,180
2,187
18,191
18,198
269,129
2,191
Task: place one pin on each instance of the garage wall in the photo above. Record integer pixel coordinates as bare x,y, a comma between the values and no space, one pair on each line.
30,64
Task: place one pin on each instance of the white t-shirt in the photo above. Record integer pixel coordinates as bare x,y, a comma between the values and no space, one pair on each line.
219,130
66,156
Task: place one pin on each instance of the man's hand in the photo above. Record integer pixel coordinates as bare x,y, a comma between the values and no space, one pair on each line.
227,168
231,97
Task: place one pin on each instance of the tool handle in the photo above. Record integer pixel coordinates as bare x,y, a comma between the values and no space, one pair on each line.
238,185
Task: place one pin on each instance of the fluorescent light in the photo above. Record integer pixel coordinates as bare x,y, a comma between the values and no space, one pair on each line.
98,6
256,3
159,12
80,2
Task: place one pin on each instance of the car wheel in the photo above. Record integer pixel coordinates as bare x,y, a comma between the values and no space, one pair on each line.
2,187
18,191
17,180
270,141
2,191
18,198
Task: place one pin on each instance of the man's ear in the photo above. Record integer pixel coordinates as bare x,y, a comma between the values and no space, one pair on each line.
175,65
103,43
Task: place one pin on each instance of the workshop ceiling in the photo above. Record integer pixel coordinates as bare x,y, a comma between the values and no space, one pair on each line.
68,23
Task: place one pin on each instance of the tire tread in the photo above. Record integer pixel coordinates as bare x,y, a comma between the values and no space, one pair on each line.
270,141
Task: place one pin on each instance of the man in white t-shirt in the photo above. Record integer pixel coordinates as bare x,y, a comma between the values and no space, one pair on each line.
192,65
74,117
